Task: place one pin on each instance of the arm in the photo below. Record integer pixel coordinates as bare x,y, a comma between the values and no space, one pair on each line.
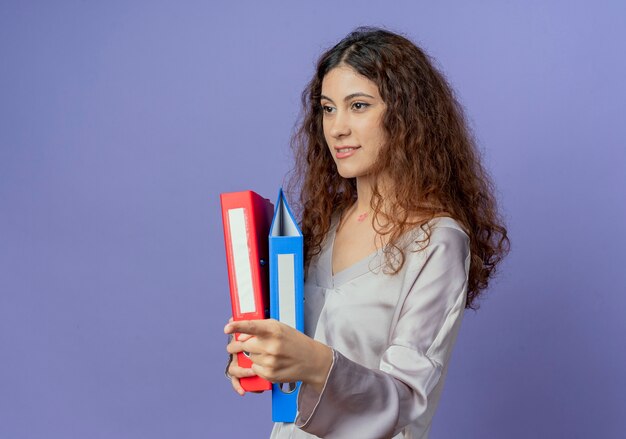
360,402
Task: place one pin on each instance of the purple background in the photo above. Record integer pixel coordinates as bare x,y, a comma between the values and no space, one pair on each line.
121,122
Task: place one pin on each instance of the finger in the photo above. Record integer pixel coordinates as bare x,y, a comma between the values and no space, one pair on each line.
234,347
252,327
237,386
240,372
230,320
244,337
251,346
260,371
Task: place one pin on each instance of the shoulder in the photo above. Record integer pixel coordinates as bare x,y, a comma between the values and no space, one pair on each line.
447,229
447,239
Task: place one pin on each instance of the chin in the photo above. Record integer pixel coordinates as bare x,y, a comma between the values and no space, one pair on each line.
347,173
351,172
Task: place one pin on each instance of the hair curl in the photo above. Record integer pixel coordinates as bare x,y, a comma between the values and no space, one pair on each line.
430,156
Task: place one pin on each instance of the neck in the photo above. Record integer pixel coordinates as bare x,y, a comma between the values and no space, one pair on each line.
364,192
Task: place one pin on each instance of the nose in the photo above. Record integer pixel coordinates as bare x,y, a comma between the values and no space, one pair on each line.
340,125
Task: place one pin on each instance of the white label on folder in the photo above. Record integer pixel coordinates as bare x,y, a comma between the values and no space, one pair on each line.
241,259
286,289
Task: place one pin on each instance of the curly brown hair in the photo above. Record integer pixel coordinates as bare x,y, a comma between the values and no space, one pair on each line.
429,156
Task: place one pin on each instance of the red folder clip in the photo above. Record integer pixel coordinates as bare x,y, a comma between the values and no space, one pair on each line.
246,217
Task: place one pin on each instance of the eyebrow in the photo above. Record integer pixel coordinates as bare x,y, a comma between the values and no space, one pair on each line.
347,98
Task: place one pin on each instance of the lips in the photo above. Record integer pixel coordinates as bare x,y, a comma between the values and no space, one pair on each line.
341,152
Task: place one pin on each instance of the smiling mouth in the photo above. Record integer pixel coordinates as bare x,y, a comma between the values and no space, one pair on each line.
345,152
347,148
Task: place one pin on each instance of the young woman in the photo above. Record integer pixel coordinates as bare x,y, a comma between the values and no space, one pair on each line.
401,235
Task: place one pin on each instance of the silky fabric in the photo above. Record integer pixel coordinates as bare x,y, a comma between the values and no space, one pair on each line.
391,335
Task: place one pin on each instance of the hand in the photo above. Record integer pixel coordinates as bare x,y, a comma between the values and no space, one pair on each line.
280,353
235,372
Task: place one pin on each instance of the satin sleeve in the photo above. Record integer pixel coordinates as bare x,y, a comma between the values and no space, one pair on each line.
357,401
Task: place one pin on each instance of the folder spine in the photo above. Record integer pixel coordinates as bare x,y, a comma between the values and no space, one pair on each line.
286,294
246,219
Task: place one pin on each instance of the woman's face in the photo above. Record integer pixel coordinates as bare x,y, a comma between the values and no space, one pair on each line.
352,120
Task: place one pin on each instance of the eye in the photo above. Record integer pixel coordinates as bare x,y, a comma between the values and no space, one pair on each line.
327,109
360,105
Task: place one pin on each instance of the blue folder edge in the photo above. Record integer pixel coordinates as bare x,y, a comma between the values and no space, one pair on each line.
284,405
